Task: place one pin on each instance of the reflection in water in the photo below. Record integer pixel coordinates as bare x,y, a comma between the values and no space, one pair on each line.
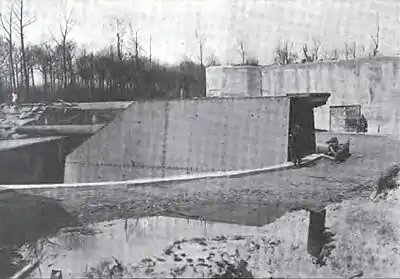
128,240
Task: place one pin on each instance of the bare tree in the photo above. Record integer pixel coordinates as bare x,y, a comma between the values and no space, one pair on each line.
4,71
375,38
150,51
307,56
7,26
335,54
119,41
354,50
313,54
119,26
350,51
137,48
200,38
284,55
65,28
212,60
241,50
316,49
346,51
20,28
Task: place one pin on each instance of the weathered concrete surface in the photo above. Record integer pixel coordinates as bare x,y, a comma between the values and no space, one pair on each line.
162,138
37,163
372,83
345,118
233,81
39,160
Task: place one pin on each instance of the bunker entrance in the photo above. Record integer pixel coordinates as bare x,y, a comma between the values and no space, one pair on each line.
301,123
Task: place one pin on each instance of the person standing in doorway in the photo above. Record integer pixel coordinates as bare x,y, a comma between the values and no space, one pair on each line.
295,145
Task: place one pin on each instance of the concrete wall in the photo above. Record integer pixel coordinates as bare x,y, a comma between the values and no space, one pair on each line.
233,81
372,83
345,118
152,139
40,162
37,163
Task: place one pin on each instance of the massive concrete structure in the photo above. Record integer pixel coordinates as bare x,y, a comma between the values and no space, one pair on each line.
372,83
234,81
164,138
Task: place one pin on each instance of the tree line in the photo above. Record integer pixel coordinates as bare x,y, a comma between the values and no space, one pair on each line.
122,71
285,54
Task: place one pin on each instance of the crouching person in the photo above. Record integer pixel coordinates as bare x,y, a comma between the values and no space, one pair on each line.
340,152
333,146
344,152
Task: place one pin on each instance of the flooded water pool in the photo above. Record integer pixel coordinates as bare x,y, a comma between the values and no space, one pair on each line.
75,251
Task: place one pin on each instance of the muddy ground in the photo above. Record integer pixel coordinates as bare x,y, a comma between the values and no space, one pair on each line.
252,200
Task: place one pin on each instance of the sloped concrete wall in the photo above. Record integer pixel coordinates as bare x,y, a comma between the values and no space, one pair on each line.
153,139
129,146
372,83
37,163
233,81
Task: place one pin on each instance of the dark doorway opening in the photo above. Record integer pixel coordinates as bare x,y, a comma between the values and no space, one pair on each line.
302,116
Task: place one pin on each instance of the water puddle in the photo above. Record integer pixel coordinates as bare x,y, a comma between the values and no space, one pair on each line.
74,251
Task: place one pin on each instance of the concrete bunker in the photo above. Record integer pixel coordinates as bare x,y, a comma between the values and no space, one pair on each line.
166,138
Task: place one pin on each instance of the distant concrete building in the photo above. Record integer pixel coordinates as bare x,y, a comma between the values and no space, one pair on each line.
165,138
233,81
373,84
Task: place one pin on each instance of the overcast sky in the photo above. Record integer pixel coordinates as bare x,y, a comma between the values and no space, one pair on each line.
262,24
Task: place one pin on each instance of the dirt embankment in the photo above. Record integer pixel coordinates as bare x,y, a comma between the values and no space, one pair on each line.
251,200
363,243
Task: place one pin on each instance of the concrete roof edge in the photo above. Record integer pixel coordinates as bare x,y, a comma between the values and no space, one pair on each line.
332,62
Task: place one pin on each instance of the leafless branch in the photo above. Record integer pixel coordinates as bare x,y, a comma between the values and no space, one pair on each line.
241,50
375,38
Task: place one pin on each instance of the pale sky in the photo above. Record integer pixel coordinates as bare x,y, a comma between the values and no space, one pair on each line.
262,24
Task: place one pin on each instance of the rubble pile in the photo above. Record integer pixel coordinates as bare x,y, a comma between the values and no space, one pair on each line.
12,117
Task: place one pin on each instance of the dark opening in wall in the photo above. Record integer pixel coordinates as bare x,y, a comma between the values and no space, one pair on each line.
302,119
